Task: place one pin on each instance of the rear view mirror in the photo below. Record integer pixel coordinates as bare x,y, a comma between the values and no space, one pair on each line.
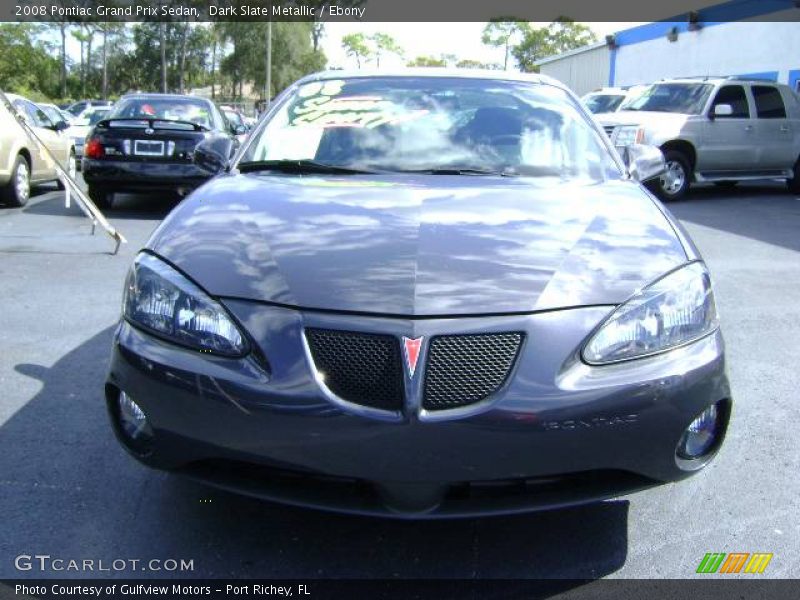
240,130
60,126
722,110
644,162
207,157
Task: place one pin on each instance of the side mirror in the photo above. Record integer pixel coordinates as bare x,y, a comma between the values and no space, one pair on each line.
208,158
722,110
60,126
240,130
644,162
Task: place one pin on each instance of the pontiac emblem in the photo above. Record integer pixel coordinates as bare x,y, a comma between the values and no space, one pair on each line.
411,348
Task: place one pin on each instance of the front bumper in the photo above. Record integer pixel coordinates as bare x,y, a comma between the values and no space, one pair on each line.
141,175
559,433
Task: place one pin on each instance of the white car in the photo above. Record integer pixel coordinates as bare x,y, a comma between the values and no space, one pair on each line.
83,124
604,100
23,163
611,99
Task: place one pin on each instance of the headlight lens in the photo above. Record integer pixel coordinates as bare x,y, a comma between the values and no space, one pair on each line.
161,300
627,135
677,309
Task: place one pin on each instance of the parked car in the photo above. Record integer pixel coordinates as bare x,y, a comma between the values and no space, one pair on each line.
56,114
23,163
238,125
78,107
146,143
610,99
720,130
605,99
419,294
83,124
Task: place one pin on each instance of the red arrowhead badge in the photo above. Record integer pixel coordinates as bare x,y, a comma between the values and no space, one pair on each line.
411,348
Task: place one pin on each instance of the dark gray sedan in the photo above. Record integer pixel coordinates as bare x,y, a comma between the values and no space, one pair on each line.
422,294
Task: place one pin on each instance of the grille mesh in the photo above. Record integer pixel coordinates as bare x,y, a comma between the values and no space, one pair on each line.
465,369
359,367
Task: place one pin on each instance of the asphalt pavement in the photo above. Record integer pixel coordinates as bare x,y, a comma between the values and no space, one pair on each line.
69,491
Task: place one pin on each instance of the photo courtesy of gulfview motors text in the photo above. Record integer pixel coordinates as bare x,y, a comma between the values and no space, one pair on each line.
171,590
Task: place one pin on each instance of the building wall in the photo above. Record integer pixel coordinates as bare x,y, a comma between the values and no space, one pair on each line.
582,72
764,49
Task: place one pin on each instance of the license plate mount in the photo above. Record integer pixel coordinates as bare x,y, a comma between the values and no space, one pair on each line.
148,148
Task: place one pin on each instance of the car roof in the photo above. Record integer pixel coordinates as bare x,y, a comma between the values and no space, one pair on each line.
715,79
154,96
17,97
433,72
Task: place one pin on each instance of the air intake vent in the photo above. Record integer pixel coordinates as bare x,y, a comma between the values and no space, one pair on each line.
465,369
360,368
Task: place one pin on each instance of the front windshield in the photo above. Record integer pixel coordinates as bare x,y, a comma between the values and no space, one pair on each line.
603,103
52,113
167,109
428,124
90,117
683,98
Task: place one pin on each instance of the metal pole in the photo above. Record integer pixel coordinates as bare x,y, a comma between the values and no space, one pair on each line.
268,80
71,186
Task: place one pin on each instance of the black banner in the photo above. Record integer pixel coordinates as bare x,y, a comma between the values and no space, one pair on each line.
396,10
377,589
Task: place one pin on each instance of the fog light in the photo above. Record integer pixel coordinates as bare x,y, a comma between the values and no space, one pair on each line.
133,424
702,433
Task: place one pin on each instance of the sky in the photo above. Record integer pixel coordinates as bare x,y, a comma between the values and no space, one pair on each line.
430,39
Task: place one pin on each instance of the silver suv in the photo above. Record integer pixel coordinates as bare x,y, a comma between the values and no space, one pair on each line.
721,130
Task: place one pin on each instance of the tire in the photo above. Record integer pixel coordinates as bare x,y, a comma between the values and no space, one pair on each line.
794,183
674,184
17,191
72,168
726,185
102,198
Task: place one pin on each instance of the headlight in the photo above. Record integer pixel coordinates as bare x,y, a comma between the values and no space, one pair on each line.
627,135
161,300
675,310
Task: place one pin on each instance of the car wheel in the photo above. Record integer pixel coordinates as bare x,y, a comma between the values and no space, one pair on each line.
18,191
726,185
72,168
794,183
674,183
102,198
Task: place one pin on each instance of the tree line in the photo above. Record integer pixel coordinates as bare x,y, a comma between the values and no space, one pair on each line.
116,58
227,57
521,41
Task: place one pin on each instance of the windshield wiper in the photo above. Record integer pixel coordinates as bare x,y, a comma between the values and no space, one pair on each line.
459,171
298,167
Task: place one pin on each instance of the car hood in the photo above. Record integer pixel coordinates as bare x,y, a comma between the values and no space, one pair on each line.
419,245
642,117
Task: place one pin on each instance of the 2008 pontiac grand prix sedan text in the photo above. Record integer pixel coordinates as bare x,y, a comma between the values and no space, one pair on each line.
422,294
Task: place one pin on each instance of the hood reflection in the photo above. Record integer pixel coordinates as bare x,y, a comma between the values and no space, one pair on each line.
417,245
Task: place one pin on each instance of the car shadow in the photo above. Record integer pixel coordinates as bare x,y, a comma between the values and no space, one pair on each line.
69,487
36,192
126,206
762,211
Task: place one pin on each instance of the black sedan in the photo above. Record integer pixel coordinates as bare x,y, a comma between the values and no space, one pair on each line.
422,294
147,144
